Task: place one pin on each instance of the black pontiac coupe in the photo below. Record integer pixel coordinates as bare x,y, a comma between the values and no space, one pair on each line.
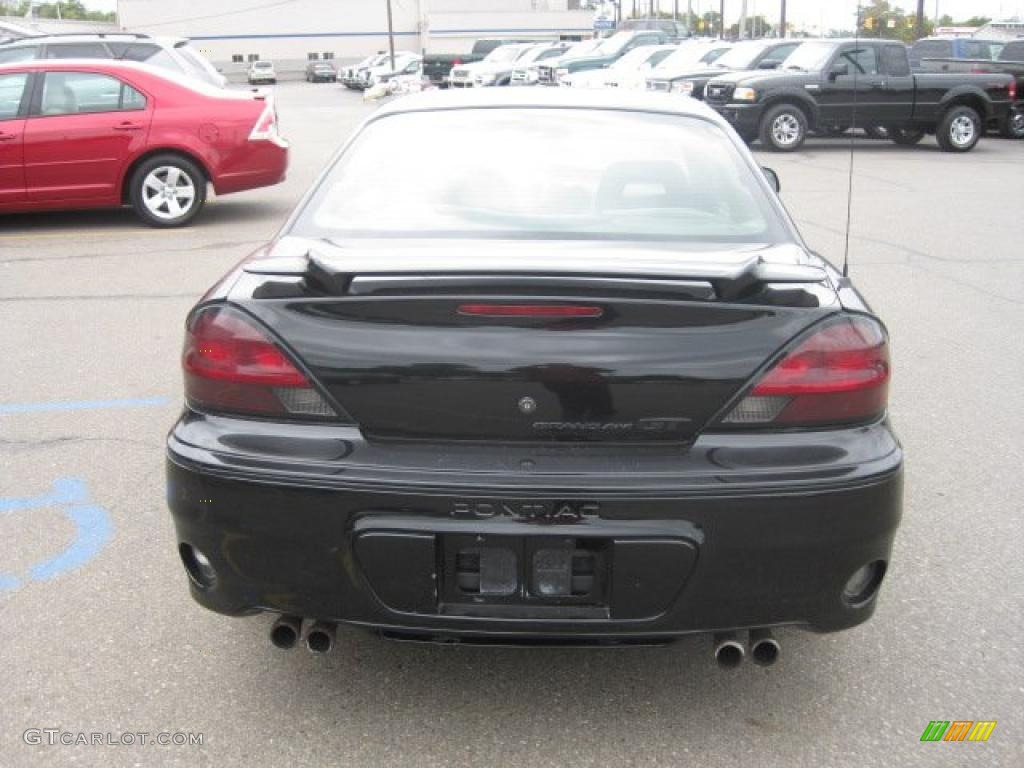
538,365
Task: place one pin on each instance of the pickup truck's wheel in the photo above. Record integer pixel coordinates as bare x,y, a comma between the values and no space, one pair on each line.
959,130
1012,126
167,191
905,136
783,128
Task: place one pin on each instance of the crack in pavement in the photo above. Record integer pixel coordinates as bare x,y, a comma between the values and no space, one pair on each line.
86,256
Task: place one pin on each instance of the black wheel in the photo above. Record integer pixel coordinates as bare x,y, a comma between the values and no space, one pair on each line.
1012,126
959,130
167,191
783,128
876,131
905,136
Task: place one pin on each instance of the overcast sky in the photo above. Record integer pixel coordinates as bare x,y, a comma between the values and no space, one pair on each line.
832,13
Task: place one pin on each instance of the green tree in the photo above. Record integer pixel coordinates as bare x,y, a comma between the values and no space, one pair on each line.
65,9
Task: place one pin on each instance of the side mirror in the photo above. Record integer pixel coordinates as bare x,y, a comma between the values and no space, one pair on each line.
840,70
773,179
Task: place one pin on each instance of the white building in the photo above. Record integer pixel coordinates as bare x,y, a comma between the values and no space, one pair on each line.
294,31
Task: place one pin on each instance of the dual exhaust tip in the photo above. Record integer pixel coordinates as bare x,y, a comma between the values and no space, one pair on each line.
730,651
287,631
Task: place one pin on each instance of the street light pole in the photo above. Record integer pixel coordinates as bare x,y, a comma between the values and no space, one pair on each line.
721,19
919,20
782,20
391,37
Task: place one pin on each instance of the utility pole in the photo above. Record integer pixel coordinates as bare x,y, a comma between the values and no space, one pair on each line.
391,37
741,31
721,19
919,20
782,20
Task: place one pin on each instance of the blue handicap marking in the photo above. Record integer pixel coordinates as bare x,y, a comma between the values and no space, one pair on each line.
93,529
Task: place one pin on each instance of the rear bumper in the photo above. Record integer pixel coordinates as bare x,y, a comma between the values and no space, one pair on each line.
333,538
256,164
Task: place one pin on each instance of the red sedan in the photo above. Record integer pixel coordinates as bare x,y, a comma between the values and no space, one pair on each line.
96,134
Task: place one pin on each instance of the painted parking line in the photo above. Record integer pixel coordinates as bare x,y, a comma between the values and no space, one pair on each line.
93,530
83,405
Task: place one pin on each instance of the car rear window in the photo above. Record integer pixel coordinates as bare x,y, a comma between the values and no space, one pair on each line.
1012,52
76,51
21,53
563,173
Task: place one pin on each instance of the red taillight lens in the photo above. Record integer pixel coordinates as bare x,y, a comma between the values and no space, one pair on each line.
837,375
529,310
457,63
231,365
1013,90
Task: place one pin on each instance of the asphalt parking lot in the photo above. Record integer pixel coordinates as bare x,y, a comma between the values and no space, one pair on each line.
105,638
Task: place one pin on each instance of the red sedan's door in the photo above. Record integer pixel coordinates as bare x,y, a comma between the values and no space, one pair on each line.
83,128
12,133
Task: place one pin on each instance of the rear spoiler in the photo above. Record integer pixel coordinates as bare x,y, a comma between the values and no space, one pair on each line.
706,281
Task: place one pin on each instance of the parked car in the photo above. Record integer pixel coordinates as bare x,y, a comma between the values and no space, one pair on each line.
437,67
350,76
816,89
262,72
954,48
501,58
173,54
674,31
1010,62
629,72
100,134
527,69
406,63
321,72
651,410
497,68
688,57
610,50
749,54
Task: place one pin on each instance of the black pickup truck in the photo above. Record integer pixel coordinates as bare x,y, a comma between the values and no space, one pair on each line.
1010,62
437,66
831,85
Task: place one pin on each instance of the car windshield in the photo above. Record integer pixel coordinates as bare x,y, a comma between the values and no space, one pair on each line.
261,65
741,56
504,54
635,58
810,57
199,64
583,49
612,45
684,56
561,173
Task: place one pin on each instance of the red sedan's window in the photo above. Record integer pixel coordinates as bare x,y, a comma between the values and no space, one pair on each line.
69,93
12,87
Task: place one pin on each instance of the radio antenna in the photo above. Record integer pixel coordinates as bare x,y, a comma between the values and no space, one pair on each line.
853,140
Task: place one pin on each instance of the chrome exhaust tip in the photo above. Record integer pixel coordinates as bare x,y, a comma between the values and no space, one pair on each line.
320,638
286,631
764,648
729,651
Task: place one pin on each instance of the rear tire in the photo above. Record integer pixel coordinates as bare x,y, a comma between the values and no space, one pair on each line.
906,137
167,191
959,130
1012,126
783,128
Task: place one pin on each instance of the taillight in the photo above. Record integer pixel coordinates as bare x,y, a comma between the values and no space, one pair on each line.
457,63
837,375
266,127
1013,90
232,366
